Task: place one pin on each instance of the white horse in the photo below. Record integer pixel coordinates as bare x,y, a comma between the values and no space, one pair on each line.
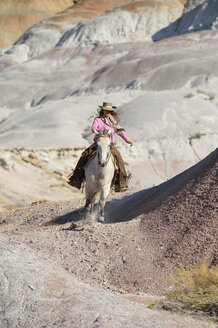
99,172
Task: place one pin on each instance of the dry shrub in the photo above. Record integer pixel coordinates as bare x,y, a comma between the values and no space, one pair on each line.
195,290
189,95
196,135
201,91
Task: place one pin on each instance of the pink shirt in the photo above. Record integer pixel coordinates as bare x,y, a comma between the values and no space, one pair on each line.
99,124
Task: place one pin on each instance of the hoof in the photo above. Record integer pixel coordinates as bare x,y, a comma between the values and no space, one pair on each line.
81,225
101,219
74,226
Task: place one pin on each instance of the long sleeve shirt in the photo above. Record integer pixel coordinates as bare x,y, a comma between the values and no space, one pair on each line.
100,124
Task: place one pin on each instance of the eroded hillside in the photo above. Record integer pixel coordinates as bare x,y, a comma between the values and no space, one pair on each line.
17,16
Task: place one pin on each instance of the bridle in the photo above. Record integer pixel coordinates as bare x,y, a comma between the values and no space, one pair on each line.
108,154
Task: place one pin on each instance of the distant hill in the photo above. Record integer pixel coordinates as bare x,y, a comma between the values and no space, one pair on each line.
198,15
17,16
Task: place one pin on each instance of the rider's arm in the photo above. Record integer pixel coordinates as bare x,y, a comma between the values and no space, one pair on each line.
96,124
124,136
122,133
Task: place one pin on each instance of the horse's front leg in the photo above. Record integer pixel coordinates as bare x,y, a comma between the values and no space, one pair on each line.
105,190
89,205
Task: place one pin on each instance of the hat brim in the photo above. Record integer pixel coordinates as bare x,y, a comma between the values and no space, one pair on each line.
111,109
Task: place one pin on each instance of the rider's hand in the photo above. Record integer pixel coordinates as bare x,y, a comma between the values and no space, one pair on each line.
130,142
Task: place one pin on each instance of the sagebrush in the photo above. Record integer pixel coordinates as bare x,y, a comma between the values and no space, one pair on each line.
195,289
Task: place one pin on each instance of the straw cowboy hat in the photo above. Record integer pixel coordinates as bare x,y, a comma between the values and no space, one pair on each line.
108,106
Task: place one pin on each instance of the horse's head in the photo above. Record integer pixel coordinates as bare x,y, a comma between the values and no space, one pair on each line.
103,139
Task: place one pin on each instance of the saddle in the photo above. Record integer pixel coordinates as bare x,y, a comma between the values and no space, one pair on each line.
119,181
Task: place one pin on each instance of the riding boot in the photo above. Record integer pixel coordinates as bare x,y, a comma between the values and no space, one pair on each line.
120,177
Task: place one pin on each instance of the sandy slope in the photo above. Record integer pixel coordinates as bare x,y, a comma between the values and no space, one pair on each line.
176,223
38,293
171,224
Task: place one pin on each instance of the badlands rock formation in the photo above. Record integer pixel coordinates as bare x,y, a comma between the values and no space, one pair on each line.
137,20
31,174
198,15
52,83
17,16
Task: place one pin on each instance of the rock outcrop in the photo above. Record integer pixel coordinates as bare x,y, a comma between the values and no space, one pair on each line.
86,23
18,16
28,175
135,21
197,16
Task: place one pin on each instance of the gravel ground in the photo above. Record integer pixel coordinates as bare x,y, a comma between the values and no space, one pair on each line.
132,258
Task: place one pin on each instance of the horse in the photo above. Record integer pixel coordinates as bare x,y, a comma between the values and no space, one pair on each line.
99,173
